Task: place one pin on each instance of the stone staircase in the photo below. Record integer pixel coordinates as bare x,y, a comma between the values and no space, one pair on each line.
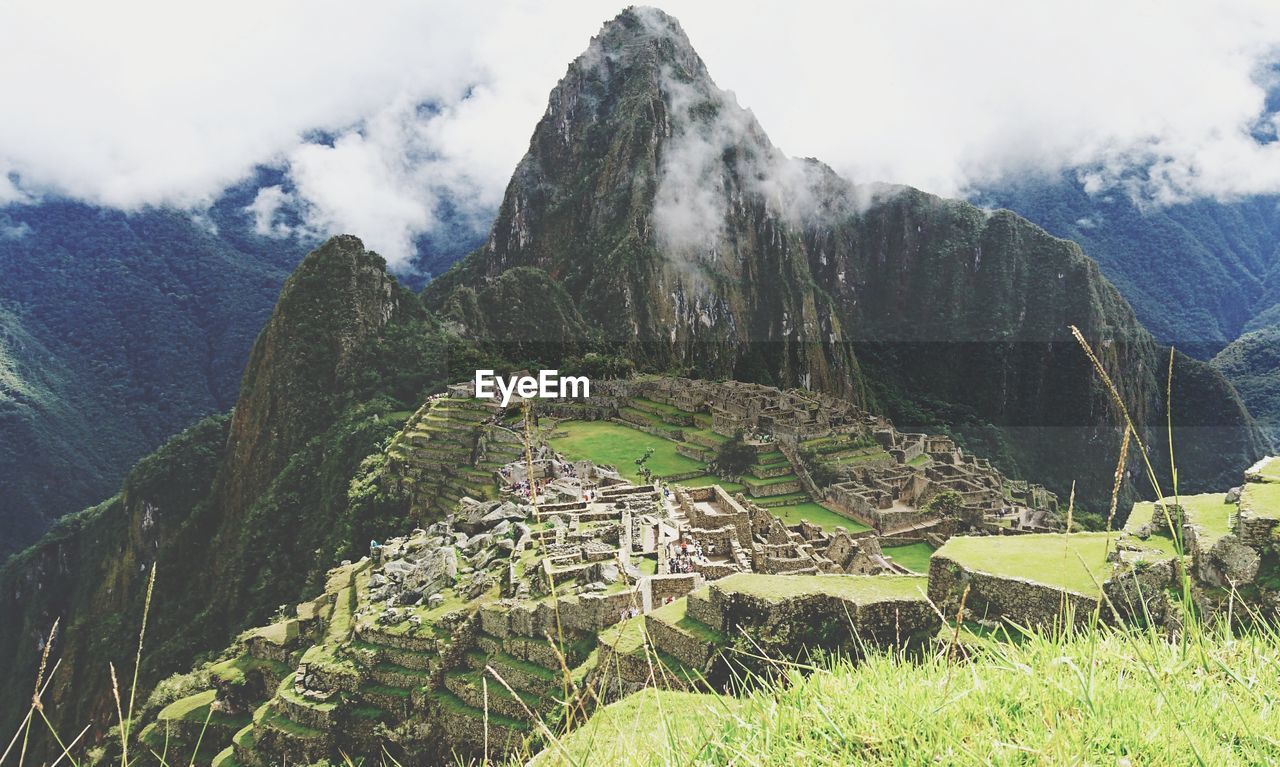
447,451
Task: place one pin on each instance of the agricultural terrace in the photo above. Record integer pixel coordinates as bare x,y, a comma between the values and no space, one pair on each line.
619,445
913,556
1075,562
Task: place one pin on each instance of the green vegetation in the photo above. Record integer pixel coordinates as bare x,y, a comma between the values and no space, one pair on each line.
817,514
1082,566
1262,499
1252,364
856,588
647,728
1101,697
619,446
913,556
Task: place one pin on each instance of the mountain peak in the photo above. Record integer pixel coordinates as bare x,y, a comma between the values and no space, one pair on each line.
642,35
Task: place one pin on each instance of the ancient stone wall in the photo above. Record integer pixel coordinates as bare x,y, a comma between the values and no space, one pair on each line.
994,597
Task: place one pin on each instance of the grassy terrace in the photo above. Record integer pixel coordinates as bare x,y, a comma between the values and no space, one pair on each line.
1262,498
817,514
676,615
1210,512
1076,562
913,556
860,589
619,446
711,479
1268,469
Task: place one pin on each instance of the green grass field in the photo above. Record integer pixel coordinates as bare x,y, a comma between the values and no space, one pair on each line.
818,515
913,556
1075,562
619,446
1103,697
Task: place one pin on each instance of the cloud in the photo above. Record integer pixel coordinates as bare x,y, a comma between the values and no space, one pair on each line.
169,103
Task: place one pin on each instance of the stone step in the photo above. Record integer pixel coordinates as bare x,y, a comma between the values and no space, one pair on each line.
393,675
521,675
392,699
409,658
225,758
676,633
467,718
242,746
469,687
311,714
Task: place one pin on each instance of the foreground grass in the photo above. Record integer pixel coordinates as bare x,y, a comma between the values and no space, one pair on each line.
1102,698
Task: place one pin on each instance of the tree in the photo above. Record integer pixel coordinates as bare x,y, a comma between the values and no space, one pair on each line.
735,456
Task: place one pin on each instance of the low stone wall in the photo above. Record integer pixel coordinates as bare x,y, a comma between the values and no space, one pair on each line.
674,586
1255,531
994,597
585,612
686,648
780,488
696,453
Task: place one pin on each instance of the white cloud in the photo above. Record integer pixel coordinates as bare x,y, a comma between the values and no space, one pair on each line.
149,102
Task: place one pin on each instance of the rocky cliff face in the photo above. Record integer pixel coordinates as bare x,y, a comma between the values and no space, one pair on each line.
337,301
237,515
691,242
656,201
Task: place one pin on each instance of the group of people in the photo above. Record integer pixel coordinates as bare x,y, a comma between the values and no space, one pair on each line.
682,561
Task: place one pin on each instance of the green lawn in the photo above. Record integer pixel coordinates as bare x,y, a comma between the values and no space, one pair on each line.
818,515
1209,511
1270,469
913,556
619,446
661,407
1075,562
1261,498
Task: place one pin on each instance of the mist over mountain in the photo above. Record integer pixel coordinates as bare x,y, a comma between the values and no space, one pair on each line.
118,330
1198,274
691,242
651,221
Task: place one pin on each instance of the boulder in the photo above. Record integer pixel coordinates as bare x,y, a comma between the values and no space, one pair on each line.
1231,563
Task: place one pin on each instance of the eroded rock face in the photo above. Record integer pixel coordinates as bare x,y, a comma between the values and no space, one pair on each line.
681,234
1230,563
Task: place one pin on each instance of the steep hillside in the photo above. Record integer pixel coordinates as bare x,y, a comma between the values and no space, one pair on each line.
1252,364
243,513
119,331
692,243
1198,274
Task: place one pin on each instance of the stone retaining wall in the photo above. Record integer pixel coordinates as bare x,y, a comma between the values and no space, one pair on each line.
1021,601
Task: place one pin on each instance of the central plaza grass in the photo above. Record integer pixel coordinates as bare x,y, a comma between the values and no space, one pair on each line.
619,446
817,514
913,556
607,442
1074,562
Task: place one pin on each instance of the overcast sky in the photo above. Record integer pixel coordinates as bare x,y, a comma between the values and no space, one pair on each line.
131,103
